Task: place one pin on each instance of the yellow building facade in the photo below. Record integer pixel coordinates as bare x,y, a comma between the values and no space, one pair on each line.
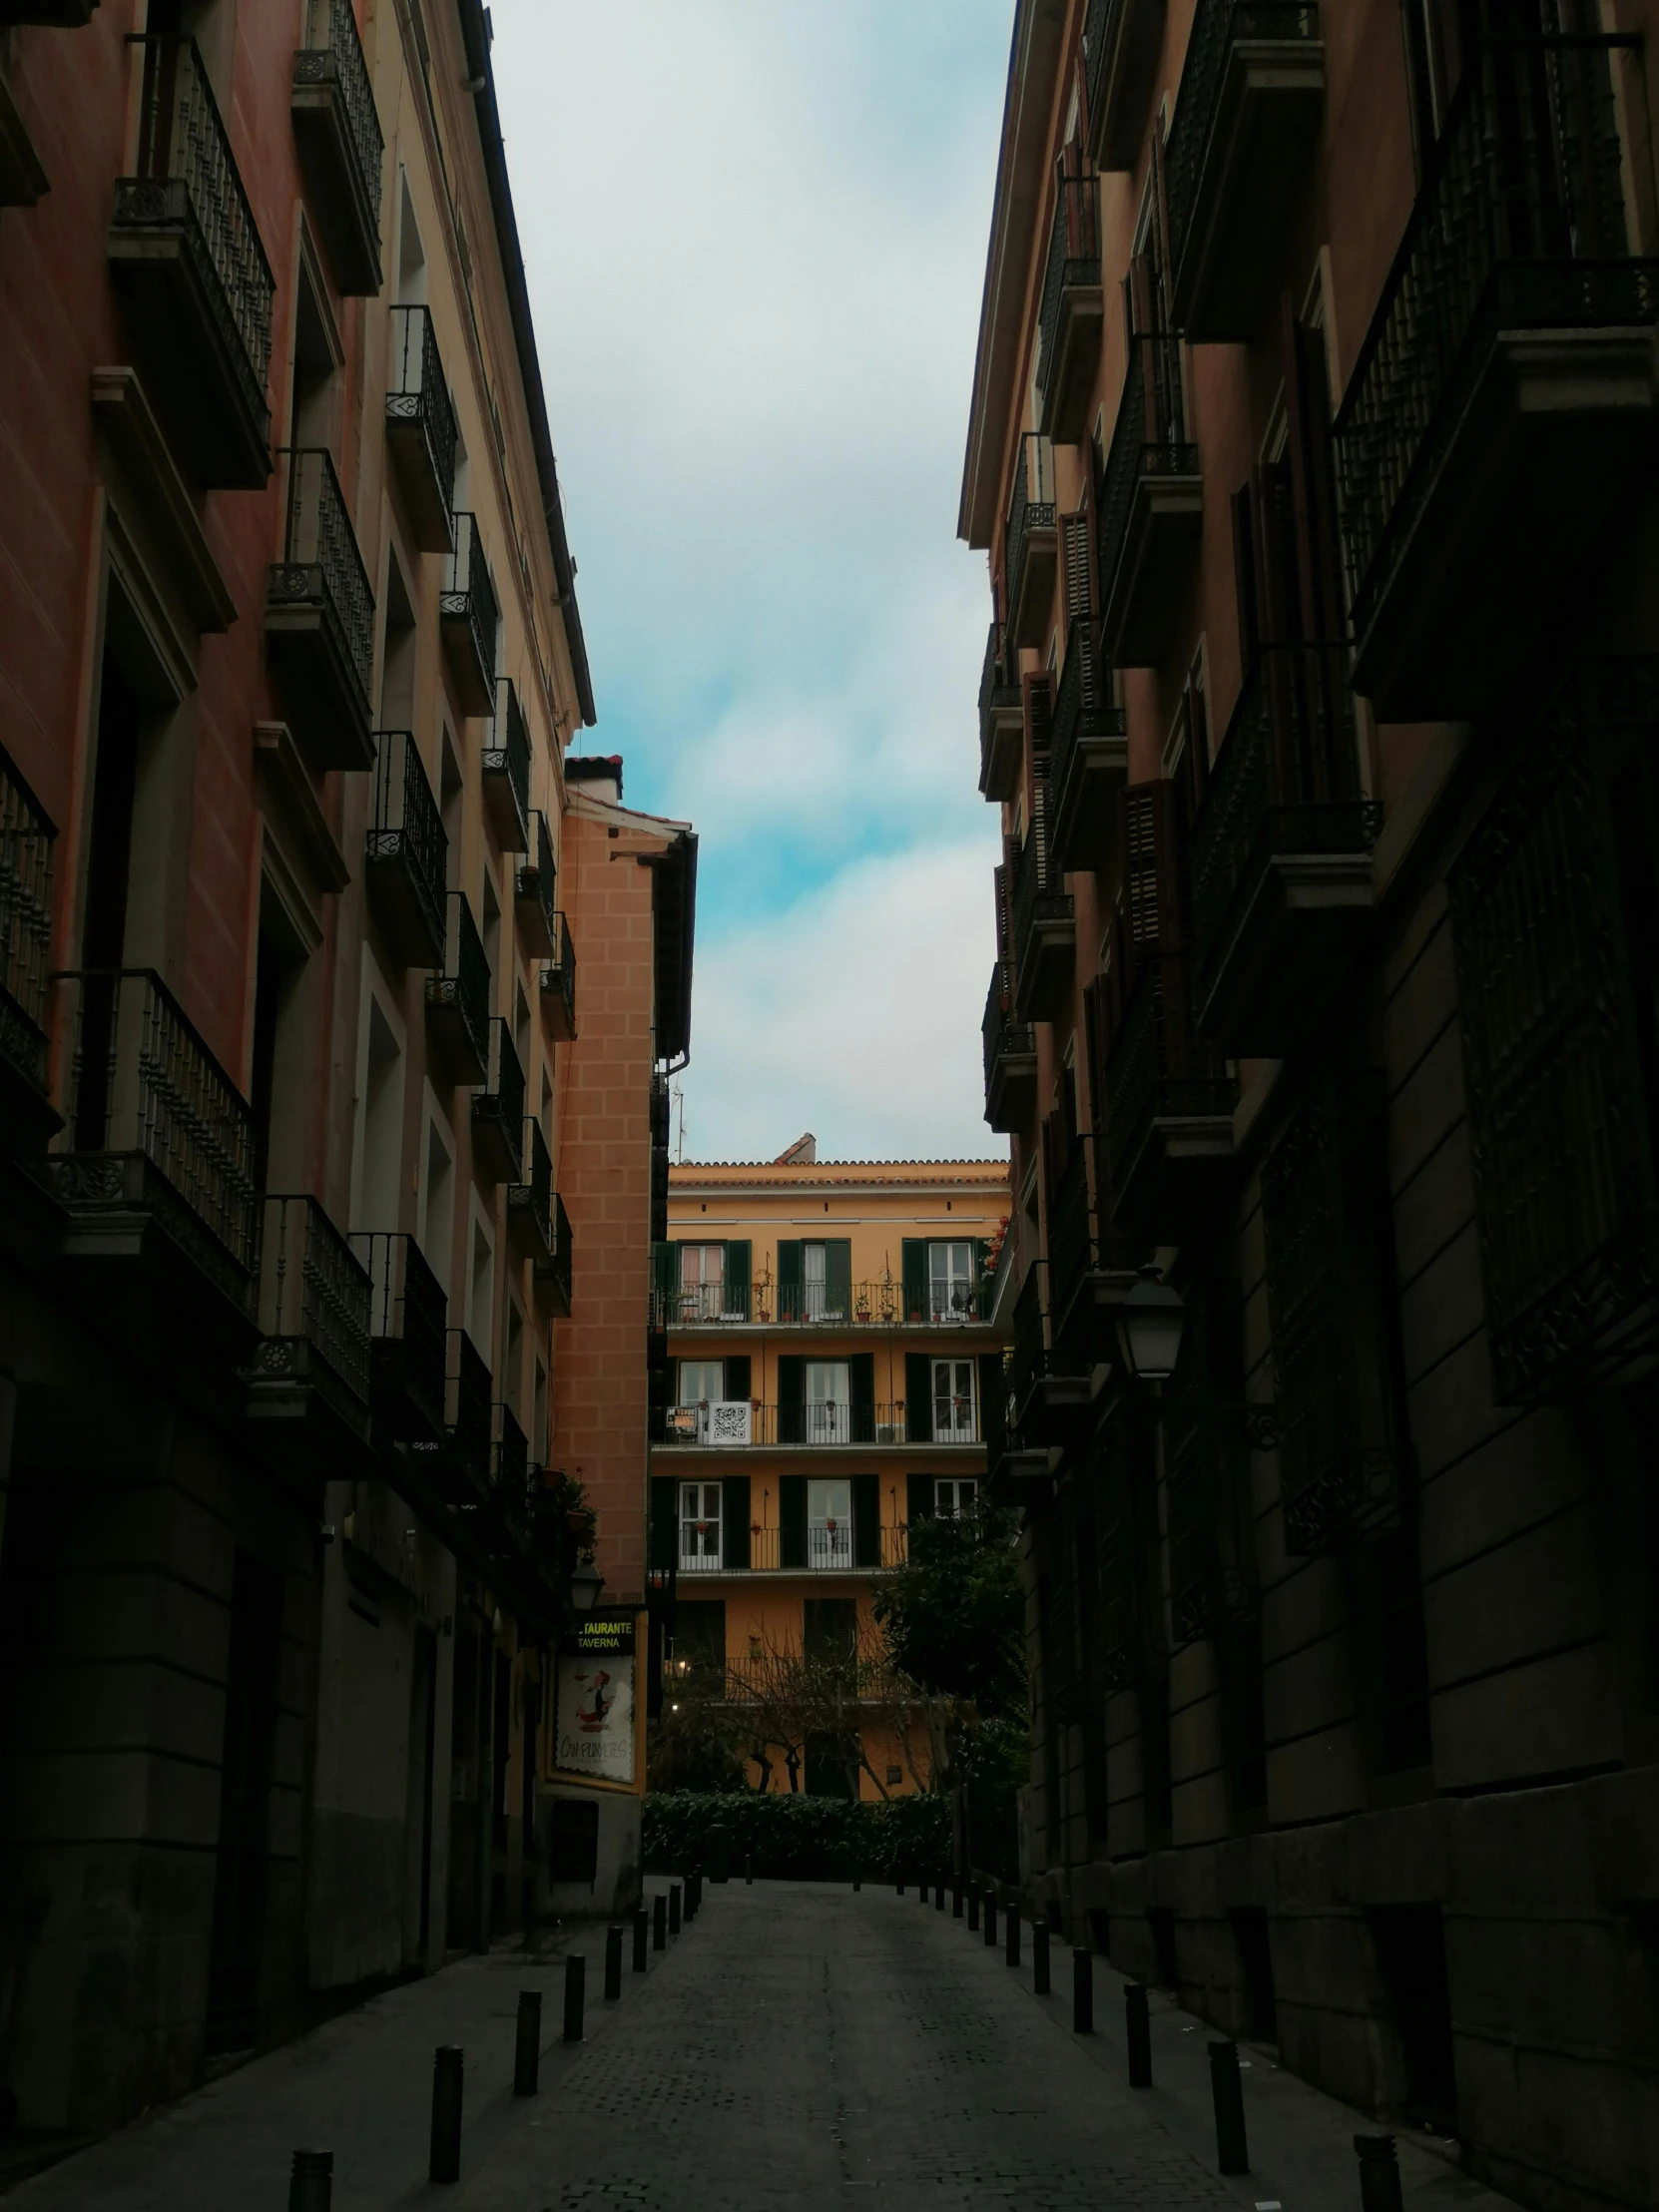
828,1340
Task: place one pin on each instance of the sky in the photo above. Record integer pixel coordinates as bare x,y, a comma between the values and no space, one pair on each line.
755,232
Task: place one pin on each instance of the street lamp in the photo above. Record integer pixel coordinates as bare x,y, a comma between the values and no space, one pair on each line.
586,1582
1150,1324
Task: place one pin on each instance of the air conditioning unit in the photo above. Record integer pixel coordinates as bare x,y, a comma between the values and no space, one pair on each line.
888,1432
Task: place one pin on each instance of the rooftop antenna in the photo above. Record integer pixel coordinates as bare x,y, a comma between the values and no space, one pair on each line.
678,1094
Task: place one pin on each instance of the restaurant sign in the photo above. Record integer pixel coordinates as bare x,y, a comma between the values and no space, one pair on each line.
594,1713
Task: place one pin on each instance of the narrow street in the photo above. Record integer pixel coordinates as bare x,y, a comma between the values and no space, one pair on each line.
798,2044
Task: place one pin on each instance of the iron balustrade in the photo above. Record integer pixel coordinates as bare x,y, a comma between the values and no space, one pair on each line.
321,565
1033,508
406,828
558,978
1218,26
737,1424
468,1416
333,54
1028,1351
464,984
313,1289
877,1304
26,840
1285,781
537,878
1073,252
1004,1039
531,1199
998,682
188,174
144,1085
1098,25
502,1103
1040,892
509,1454
507,749
417,393
1082,705
407,1308
557,1273
468,593
705,1549
1522,223
1152,1066
1148,440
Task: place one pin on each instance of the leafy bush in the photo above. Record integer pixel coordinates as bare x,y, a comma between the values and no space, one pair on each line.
802,1839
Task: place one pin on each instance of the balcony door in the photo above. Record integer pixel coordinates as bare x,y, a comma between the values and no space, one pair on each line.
954,1499
699,1528
951,1281
828,1402
702,1283
954,1421
828,1520
701,1384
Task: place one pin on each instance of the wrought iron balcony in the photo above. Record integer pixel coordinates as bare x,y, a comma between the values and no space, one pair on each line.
509,1453
1504,407
408,852
553,1278
530,1200
1071,311
845,1306
420,428
739,1425
1046,1403
1121,43
310,1371
1166,1109
1088,758
1549,900
459,1000
506,767
1010,1060
154,1164
558,987
27,835
187,262
535,890
319,620
407,1337
1151,508
338,132
1246,118
468,615
840,1547
498,1111
1281,854
1001,719
1044,935
1030,545
463,1457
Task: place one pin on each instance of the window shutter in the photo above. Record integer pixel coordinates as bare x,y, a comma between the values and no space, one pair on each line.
792,1399
1078,568
738,1273
664,1544
791,1277
918,1399
792,1518
734,1519
1152,867
736,1380
838,1276
913,1277
866,1520
918,1500
860,1383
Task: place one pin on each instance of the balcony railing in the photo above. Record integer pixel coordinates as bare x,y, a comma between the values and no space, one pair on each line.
734,1424
554,1279
319,618
459,1000
1001,717
408,850
880,1304
558,986
1028,1351
1121,39
706,1549
509,1453
26,841
530,1200
144,1089
186,252
506,767
468,1420
1088,753
406,1320
536,889
498,1109
468,615
1069,311
314,1301
420,427
1010,1049
1043,929
1031,549
1155,1071
1150,504
338,133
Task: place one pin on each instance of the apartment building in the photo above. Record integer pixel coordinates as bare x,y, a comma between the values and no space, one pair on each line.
1312,442
832,1338
289,657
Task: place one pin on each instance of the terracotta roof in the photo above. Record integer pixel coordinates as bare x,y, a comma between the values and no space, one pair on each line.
763,1173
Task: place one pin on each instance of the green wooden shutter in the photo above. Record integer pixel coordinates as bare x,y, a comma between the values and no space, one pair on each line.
918,1398
913,1274
918,1499
738,1277
982,1284
791,1276
860,1384
792,1399
734,1519
838,1276
735,1383
665,1280
866,1520
663,1542
792,1520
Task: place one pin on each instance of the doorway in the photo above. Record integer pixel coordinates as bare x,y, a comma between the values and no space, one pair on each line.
243,1806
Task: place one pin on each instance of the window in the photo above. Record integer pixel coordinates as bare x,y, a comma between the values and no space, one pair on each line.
699,1528
825,1293
954,1421
950,1278
954,1499
700,1381
828,1402
702,1282
829,1518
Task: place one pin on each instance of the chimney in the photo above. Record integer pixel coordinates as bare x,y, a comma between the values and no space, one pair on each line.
801,1154
599,775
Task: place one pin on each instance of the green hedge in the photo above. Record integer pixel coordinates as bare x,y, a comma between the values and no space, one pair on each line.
804,1838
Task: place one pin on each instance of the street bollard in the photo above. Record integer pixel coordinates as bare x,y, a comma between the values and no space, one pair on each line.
613,1961
444,2162
1138,2024
990,1919
1227,2096
1379,2173
974,1910
1012,1948
527,2049
576,1976
642,1925
747,1868
938,1896
1082,1993
674,1907
956,1898
659,1922
858,1880
921,1890
312,2182
1039,1957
